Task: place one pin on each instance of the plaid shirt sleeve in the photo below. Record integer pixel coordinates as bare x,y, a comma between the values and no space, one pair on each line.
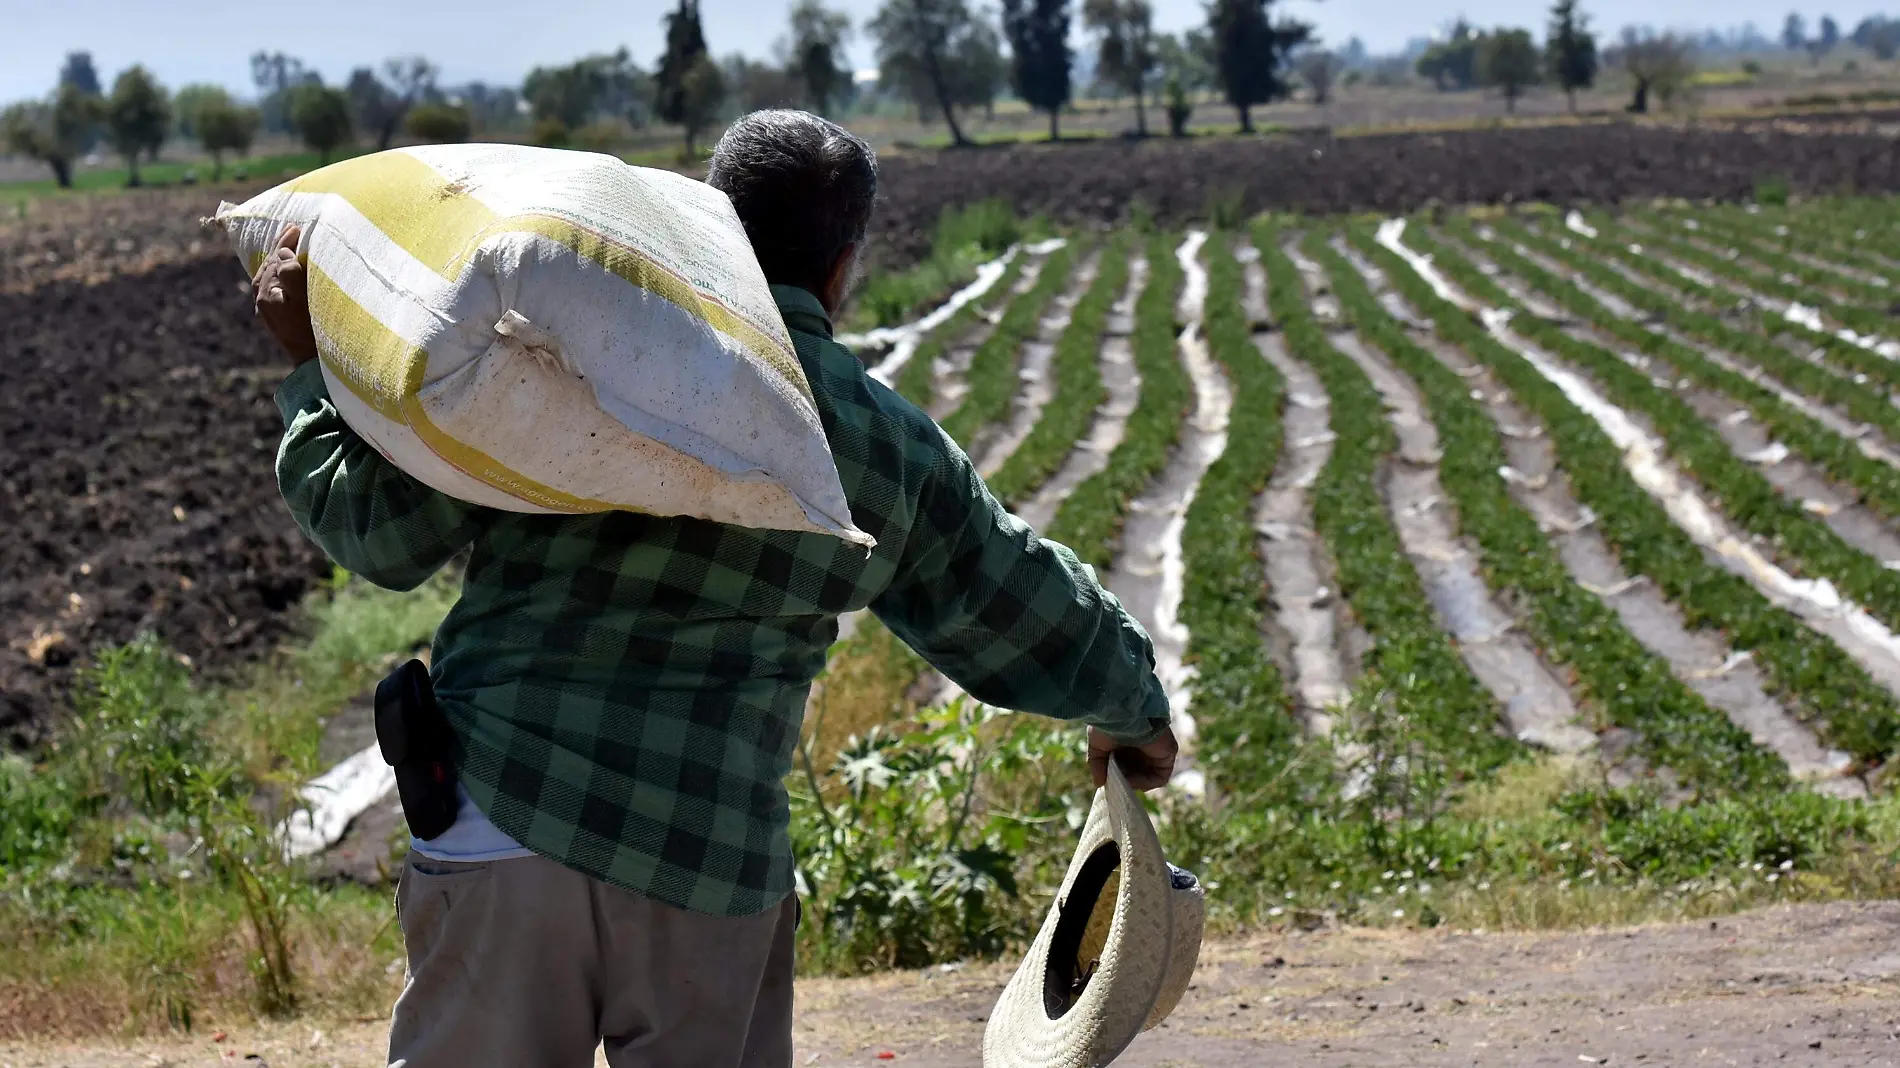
1015,620
370,517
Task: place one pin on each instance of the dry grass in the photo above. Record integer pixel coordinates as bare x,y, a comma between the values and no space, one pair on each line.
181,960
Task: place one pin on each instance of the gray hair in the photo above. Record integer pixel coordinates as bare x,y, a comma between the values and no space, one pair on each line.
804,188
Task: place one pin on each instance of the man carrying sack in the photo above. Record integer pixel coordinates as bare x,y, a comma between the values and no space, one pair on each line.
622,693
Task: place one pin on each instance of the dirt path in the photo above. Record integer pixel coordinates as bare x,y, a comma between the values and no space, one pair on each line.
1794,986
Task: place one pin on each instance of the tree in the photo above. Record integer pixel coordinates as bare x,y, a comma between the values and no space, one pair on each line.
79,73
1879,35
938,55
138,116
276,75
1038,32
703,91
1570,54
1794,32
1452,63
222,127
1508,61
379,102
490,107
1658,64
817,48
321,116
190,101
1824,42
599,84
54,131
753,84
978,69
440,123
1319,68
685,47
1251,53
1125,48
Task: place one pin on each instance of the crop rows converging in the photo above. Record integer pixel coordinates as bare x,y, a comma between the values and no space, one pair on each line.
1416,507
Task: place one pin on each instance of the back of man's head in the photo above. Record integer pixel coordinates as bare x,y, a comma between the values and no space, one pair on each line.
804,188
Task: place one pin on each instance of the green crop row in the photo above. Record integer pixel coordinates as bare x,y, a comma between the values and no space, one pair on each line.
1796,537
915,381
1807,671
1666,303
1879,484
1245,722
1857,226
1076,377
1763,262
1632,687
1428,682
1090,520
1839,261
1774,325
992,376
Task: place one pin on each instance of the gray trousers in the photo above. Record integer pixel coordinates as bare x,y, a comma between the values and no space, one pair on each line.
524,963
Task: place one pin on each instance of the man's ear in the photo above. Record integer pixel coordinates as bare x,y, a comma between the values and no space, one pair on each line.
838,280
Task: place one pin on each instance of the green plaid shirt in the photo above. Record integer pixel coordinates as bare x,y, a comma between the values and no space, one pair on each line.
626,690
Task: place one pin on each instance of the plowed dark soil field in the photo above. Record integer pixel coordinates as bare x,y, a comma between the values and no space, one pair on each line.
138,429
1317,174
136,422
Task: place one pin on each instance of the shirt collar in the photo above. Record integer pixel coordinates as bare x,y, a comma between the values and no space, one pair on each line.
801,310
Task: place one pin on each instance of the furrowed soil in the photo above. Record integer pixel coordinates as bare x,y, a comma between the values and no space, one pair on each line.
1802,985
136,421
138,430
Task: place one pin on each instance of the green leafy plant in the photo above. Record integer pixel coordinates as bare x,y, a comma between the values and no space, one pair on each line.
911,849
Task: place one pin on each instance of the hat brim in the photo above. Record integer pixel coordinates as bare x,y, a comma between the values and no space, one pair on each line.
1038,1024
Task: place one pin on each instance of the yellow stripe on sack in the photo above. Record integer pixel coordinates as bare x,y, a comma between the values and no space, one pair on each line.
640,271
390,381
418,209
368,357
479,465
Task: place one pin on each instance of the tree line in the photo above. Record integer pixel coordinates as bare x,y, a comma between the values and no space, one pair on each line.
944,57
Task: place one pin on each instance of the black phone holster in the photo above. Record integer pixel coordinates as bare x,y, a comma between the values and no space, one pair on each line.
414,737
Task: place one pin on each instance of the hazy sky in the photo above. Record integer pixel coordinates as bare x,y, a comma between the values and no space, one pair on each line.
210,40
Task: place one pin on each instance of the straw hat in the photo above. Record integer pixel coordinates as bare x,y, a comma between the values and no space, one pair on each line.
1115,954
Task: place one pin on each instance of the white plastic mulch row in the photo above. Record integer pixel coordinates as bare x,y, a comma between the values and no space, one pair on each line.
904,339
1537,707
1793,311
1149,573
1816,601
